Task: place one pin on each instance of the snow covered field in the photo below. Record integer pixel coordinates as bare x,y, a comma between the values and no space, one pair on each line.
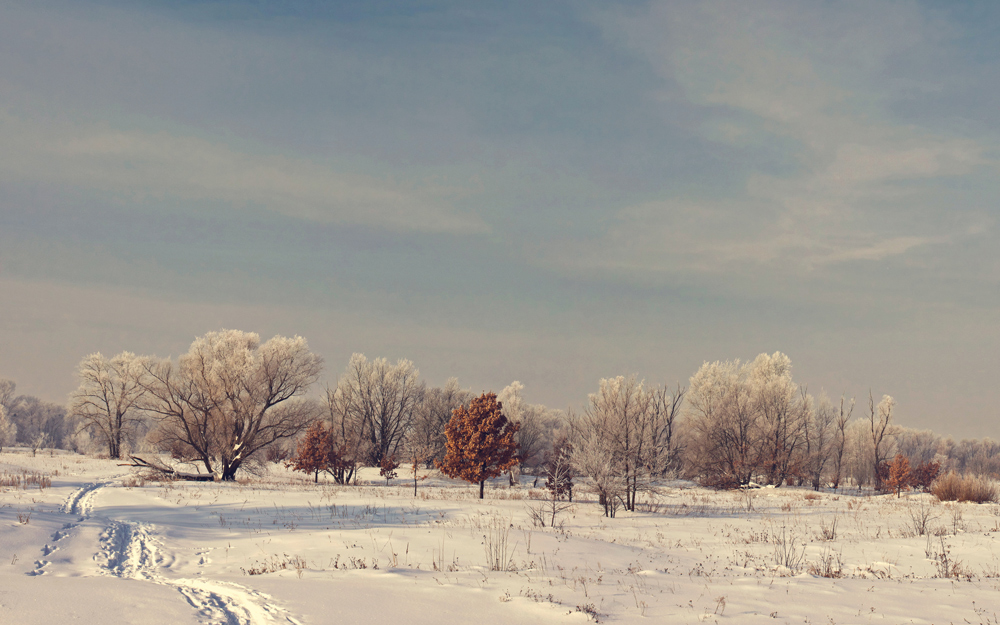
279,549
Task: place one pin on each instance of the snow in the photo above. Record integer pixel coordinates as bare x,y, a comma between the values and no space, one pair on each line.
101,543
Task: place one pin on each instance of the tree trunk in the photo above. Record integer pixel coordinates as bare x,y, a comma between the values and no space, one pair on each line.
229,472
482,485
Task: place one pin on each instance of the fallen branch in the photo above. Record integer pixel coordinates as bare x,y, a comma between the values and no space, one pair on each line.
167,470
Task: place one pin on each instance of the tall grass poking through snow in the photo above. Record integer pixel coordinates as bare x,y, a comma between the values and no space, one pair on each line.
24,480
496,541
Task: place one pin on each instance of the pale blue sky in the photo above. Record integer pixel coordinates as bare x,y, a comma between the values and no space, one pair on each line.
552,192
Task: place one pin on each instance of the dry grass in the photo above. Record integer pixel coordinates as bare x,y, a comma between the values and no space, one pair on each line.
24,480
954,487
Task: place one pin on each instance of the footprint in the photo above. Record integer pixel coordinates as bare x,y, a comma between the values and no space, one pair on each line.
39,568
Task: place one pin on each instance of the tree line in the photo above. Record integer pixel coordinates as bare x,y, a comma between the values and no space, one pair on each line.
233,402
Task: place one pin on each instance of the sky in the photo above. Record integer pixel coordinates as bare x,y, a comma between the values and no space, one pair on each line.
551,192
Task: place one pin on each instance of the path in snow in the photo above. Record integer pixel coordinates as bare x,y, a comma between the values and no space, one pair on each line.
128,550
79,503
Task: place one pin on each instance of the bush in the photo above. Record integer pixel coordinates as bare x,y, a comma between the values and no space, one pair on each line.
954,487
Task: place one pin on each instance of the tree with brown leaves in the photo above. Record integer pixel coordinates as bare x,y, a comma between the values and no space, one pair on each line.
388,468
924,474
899,474
481,443
315,452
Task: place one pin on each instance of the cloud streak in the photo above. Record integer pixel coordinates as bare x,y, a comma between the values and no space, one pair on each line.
854,184
137,165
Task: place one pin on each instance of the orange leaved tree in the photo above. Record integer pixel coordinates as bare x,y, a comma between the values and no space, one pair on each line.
899,474
315,452
480,442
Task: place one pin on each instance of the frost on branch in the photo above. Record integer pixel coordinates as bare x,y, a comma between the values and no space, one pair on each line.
107,402
230,396
374,406
8,431
625,439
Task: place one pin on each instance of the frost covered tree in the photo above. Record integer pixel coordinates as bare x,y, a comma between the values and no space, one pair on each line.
623,439
840,439
34,417
107,400
727,437
747,420
537,425
230,396
558,469
379,400
431,417
8,431
593,456
7,393
665,408
784,412
819,440
481,442
879,418
347,436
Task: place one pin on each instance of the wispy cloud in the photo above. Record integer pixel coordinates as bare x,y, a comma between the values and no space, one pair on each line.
811,79
139,164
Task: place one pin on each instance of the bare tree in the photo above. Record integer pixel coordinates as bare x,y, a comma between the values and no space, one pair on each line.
783,411
381,399
593,455
8,430
431,417
348,437
107,400
819,435
665,407
623,440
7,393
840,440
230,396
879,418
538,425
33,417
726,432
40,441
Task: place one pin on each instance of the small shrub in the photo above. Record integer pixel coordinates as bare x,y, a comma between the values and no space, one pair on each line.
276,563
829,565
921,516
387,468
788,552
590,611
496,542
828,530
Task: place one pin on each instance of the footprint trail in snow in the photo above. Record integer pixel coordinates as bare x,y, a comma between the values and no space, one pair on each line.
128,550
